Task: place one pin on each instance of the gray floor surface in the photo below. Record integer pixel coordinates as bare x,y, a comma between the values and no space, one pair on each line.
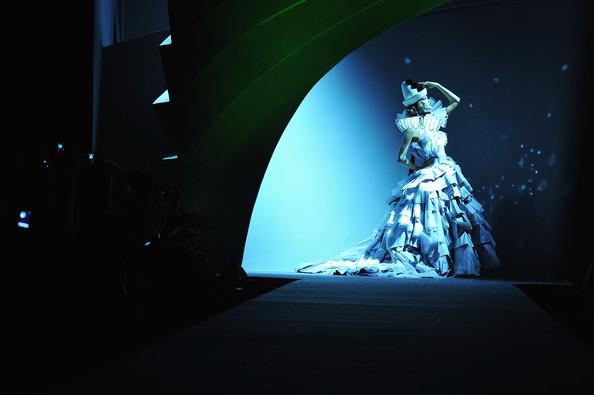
363,335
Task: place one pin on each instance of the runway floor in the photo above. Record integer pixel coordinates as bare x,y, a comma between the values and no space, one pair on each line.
363,335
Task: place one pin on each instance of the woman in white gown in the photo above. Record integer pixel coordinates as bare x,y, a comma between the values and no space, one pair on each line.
433,227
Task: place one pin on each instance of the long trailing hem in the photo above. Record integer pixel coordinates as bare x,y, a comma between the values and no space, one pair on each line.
434,227
369,267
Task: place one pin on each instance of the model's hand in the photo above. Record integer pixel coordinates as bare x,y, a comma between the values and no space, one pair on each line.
429,84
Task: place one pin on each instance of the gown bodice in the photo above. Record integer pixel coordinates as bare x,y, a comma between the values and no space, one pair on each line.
432,141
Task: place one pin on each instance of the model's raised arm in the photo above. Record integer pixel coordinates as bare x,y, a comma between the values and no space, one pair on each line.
409,135
452,98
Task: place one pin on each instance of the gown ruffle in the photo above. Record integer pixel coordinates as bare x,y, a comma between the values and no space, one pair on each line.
433,227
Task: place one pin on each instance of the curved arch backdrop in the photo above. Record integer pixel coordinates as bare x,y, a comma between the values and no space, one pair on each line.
232,95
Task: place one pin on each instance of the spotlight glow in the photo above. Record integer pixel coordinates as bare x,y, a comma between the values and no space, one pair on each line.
24,219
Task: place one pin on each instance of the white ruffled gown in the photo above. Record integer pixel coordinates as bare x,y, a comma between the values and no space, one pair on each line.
433,227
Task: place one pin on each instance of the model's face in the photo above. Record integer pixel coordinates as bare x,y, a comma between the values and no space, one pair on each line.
424,105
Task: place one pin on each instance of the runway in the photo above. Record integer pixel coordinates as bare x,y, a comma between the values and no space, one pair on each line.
363,335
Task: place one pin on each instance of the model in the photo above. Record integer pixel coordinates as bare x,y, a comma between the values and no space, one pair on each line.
434,226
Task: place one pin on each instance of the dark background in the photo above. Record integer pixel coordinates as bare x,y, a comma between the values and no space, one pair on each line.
47,98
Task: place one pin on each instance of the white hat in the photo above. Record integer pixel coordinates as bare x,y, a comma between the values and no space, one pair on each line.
411,95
